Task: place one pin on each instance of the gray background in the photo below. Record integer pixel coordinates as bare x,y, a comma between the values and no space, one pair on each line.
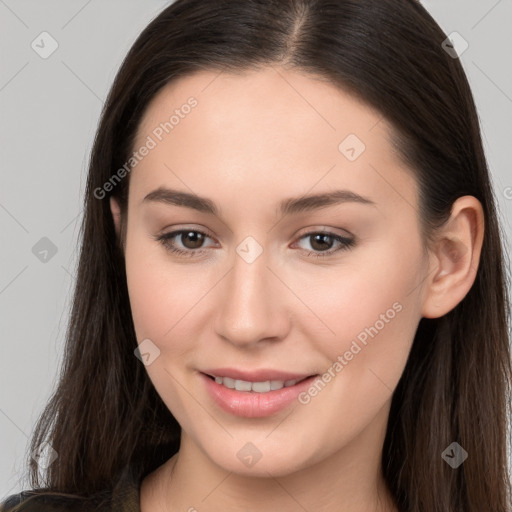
49,109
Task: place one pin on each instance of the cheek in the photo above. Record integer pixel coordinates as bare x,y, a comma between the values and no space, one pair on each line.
162,297
373,312
164,308
162,293
147,300
374,318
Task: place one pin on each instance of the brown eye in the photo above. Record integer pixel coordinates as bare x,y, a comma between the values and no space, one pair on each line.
321,243
191,242
192,239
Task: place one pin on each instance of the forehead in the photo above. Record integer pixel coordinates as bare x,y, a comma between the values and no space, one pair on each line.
264,101
265,130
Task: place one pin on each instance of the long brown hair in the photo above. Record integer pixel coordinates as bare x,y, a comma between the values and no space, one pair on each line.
105,413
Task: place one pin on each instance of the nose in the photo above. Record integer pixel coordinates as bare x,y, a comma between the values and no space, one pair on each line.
252,307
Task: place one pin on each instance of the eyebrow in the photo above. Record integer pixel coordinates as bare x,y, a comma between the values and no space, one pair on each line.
288,206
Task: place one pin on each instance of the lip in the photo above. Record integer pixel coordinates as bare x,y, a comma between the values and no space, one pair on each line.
255,375
249,404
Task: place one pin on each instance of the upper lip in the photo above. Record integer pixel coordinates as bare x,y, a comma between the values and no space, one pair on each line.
261,375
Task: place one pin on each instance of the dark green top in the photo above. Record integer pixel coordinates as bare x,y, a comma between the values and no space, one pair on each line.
124,497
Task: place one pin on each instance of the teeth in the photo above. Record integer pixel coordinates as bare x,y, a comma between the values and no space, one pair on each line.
261,387
242,385
257,387
276,384
229,383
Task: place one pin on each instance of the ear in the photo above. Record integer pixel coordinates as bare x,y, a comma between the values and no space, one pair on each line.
454,258
116,214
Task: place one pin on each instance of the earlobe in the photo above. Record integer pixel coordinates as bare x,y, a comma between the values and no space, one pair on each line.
455,258
116,214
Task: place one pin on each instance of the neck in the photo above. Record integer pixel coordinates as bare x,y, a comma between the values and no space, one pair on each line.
350,480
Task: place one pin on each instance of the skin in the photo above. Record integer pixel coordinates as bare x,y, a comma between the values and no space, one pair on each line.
253,140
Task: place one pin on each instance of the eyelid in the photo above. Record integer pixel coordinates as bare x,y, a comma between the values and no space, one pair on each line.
309,230
344,242
176,231
318,228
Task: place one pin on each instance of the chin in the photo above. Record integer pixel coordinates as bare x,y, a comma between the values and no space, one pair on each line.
263,458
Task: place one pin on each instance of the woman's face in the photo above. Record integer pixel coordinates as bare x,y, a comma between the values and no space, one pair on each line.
269,293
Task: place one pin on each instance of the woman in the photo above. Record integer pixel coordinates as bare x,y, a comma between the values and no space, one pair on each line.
219,355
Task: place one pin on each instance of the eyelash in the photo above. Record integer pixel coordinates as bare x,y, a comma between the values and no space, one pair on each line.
346,243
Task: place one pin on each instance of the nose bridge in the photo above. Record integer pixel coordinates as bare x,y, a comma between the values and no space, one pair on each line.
250,309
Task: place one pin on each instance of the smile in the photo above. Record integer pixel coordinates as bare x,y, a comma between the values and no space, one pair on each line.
257,387
254,399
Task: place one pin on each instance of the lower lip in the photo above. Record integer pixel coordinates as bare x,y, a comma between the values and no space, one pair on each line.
250,404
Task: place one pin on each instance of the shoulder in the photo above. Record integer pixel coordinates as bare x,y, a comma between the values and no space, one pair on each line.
32,501
123,497
41,501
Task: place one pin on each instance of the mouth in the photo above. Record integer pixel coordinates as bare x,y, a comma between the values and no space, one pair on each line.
254,398
256,387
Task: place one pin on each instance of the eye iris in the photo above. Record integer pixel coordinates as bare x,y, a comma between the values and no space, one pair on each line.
322,237
197,239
